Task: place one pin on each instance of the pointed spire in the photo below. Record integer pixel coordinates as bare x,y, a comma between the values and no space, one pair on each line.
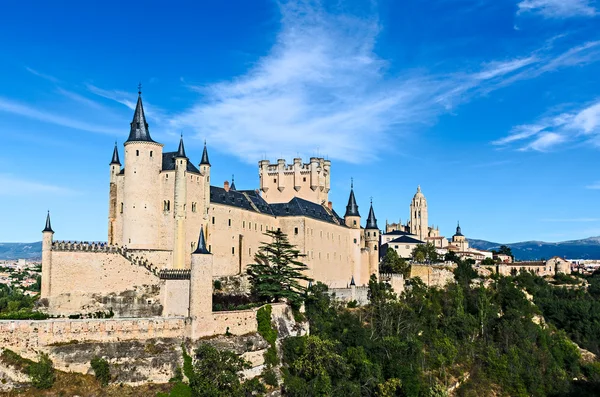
48,227
204,160
139,127
352,283
458,230
352,207
232,187
115,157
371,220
181,150
201,248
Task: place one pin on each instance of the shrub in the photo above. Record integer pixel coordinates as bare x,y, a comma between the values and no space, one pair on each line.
270,377
101,370
217,285
42,373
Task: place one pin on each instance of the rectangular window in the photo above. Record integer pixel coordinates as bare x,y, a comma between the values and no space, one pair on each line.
229,222
232,250
213,220
244,224
295,230
249,225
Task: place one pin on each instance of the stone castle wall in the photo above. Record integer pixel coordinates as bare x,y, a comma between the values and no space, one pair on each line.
432,276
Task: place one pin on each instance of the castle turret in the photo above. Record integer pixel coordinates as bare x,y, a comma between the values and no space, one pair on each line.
181,162
204,167
201,288
352,216
372,241
141,193
47,236
115,168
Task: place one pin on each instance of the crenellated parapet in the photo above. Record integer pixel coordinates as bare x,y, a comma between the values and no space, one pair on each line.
174,274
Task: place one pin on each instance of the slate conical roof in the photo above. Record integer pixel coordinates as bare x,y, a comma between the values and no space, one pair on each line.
115,157
352,207
458,231
139,127
48,227
181,149
204,156
232,187
201,248
371,220
352,283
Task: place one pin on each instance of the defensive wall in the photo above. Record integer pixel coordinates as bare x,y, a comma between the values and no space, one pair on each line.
432,275
22,335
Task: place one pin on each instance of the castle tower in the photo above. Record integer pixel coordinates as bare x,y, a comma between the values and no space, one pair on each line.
204,167
141,193
115,168
418,215
279,183
181,163
47,236
352,216
201,288
372,241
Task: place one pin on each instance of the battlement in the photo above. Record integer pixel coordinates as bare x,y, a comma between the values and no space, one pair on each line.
174,274
281,182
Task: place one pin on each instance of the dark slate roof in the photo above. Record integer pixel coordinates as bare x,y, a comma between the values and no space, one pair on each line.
204,156
48,227
352,207
201,248
371,220
139,127
250,200
406,240
181,149
398,232
115,156
168,163
232,187
458,231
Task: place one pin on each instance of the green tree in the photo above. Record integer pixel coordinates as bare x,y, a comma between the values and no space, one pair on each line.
42,373
425,253
451,257
488,262
277,272
101,370
392,263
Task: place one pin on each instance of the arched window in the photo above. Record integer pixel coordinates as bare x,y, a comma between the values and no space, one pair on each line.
150,153
137,152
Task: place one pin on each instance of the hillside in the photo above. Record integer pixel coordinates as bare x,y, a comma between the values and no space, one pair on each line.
588,248
21,250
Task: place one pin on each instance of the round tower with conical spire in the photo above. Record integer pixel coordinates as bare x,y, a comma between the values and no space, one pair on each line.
372,241
181,163
204,167
201,288
47,237
115,169
141,188
352,216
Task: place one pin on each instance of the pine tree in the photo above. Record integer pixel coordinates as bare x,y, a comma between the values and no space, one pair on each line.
277,272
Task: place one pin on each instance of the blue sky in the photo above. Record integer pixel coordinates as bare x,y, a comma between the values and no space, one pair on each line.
493,107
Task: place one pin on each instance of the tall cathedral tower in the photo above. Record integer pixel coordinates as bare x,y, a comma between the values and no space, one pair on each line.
418,215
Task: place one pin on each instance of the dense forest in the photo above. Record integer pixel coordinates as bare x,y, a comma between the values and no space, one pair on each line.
485,340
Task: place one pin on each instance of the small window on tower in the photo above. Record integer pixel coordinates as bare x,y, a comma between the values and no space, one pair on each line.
295,230
137,152
232,250
213,220
121,208
229,222
150,153
274,180
304,179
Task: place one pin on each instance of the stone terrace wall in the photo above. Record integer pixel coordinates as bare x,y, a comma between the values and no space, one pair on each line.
432,276
22,335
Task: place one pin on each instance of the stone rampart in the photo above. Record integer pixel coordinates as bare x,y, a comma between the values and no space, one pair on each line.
431,275
358,294
22,335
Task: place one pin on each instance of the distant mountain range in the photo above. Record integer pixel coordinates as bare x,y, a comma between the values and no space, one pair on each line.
588,248
21,250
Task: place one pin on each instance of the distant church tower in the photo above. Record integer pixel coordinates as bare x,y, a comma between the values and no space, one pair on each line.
418,215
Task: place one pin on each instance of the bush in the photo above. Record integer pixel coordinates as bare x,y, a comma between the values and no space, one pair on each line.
270,377
42,373
101,370
217,285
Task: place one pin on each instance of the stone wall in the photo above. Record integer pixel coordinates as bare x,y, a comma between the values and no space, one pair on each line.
432,276
358,294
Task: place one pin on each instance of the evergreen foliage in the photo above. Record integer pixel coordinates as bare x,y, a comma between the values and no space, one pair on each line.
392,263
425,253
423,342
277,272
42,373
101,370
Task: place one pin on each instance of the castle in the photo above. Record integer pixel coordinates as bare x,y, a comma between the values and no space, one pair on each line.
160,202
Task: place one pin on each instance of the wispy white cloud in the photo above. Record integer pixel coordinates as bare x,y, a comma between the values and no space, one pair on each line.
16,108
558,8
550,131
14,186
323,87
42,75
